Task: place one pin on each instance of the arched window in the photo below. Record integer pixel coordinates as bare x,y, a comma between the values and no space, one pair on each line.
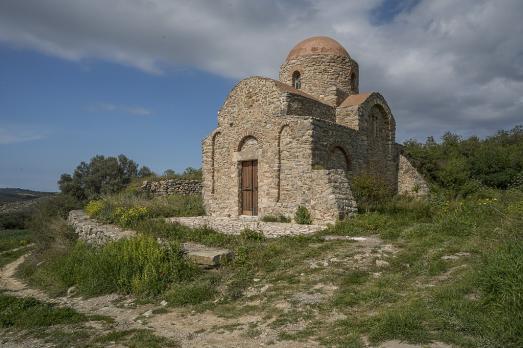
296,79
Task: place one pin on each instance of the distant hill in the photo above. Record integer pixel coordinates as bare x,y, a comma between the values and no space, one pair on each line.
10,195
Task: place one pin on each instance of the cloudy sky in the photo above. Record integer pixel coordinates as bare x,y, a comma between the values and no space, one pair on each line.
146,77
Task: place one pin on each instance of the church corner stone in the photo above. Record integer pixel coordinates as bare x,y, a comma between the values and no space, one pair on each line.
299,141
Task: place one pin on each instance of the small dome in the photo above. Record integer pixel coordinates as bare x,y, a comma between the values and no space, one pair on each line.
317,45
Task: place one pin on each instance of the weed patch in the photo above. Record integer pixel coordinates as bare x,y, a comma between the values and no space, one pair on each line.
138,266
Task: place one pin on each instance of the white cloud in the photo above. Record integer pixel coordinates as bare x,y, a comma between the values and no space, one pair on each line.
442,65
132,110
13,136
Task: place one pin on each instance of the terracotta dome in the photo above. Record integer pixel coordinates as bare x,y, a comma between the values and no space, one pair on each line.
317,45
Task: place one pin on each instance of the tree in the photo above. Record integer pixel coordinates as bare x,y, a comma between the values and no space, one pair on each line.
102,175
458,164
145,172
169,172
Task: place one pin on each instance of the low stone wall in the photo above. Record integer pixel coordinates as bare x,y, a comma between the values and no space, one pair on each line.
93,232
172,186
235,226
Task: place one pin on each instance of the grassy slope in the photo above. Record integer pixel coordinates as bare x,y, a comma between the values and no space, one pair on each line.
471,299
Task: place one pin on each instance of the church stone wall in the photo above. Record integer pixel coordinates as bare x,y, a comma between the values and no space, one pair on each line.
251,128
308,149
297,105
283,146
324,76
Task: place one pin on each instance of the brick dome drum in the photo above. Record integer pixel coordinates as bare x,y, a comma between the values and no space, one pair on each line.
324,68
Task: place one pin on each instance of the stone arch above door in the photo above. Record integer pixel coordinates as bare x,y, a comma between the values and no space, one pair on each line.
248,149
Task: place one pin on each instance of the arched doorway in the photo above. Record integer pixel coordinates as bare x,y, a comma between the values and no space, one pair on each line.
248,149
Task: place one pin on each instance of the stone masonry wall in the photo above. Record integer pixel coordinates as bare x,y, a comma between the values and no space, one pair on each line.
254,111
376,133
257,126
323,76
93,232
410,181
172,186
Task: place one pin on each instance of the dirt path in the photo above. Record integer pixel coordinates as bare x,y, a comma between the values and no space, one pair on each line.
193,329
189,328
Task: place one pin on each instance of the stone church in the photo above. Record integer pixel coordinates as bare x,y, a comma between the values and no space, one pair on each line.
300,140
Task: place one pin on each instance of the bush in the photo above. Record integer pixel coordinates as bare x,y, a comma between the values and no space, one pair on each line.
454,163
130,217
16,220
302,216
370,191
94,208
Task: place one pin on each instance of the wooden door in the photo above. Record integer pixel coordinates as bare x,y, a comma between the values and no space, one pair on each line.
249,188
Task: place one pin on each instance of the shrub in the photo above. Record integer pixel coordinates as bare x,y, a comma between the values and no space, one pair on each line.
130,217
302,216
496,161
370,191
94,208
15,220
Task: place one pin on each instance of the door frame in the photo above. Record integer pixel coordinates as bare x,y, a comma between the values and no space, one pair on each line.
253,185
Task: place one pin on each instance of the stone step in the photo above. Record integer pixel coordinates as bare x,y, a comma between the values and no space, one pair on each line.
206,256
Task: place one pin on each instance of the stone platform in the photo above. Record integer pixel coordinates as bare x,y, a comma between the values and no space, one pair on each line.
235,226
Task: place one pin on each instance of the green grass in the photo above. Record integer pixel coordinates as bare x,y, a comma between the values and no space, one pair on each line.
65,327
276,218
473,301
11,239
26,313
135,339
128,208
192,293
138,266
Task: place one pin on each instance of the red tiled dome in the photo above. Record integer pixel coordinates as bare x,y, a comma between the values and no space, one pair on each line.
317,45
